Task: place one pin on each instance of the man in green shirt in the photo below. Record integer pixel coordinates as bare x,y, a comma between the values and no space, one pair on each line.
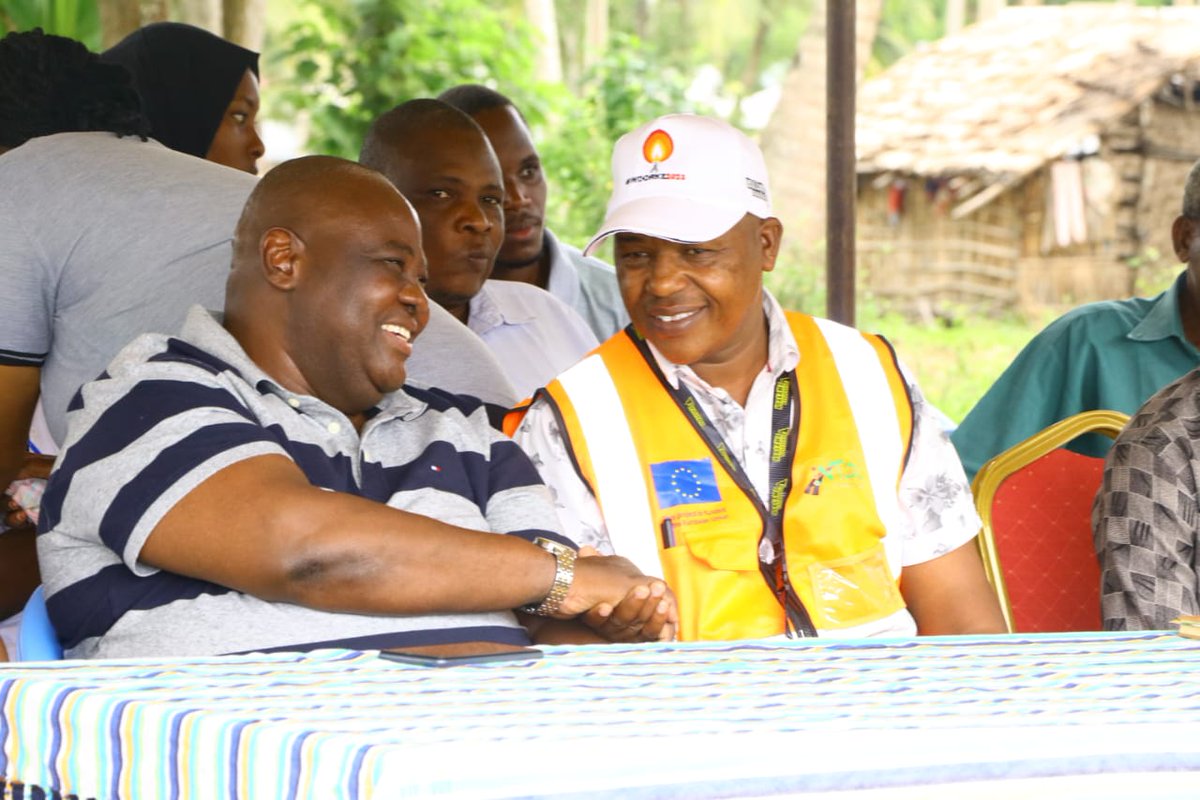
1108,355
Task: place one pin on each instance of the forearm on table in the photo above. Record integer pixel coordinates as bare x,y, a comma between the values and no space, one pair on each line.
259,527
367,557
358,555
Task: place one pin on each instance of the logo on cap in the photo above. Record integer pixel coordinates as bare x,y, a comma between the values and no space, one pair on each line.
658,146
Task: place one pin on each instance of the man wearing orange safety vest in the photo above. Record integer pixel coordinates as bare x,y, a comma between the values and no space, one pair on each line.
780,471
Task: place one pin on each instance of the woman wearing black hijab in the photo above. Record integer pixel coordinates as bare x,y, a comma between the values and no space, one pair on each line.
199,91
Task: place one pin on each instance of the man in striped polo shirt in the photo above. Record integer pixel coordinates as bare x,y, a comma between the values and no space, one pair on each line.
263,482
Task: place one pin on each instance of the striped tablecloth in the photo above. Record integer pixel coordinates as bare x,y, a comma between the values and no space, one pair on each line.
681,720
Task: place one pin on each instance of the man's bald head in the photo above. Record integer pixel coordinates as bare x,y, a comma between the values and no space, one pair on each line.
325,292
294,194
393,133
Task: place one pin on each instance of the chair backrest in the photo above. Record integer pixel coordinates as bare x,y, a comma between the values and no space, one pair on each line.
36,637
1035,500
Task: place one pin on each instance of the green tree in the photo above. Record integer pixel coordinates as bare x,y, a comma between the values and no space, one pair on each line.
576,132
344,62
351,60
77,19
903,25
741,38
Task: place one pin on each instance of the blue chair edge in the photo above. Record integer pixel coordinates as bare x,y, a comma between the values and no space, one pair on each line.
36,637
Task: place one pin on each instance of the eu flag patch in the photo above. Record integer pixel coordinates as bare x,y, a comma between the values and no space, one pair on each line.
681,483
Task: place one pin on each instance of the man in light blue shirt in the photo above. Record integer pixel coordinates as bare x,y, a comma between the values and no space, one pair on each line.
531,253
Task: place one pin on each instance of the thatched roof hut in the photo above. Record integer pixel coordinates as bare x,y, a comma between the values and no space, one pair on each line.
1030,159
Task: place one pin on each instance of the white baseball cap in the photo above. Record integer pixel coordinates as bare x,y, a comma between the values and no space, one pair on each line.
686,178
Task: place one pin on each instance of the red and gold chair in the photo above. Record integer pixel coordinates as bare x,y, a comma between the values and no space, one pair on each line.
1035,500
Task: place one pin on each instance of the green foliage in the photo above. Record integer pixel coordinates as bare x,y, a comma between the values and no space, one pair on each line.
344,62
685,34
1153,271
798,280
348,61
77,19
622,91
902,26
954,364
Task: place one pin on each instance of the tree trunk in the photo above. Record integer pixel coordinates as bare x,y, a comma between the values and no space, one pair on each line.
118,19
749,78
595,40
205,14
549,58
956,15
641,20
793,142
241,21
244,22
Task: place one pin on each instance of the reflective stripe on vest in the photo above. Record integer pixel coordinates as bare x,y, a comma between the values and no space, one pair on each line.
613,455
859,366
645,463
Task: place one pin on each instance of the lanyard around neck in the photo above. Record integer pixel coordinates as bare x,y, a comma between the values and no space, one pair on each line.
772,558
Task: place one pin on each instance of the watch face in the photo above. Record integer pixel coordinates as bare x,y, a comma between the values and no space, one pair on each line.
554,547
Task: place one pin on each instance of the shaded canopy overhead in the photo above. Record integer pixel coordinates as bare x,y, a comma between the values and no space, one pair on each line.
1003,97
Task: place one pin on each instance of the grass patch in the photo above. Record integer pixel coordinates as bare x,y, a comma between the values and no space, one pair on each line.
955,365
954,362
954,359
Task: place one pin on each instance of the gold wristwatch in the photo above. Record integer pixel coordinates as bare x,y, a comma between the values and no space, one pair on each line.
564,573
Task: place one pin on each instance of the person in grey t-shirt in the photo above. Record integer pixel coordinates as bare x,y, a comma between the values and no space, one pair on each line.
41,76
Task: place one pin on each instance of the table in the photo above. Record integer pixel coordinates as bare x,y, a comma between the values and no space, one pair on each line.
932,717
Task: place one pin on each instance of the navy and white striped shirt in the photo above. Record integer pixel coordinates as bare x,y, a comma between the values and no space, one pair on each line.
171,412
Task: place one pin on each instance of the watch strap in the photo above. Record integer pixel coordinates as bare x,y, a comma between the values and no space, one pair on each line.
564,574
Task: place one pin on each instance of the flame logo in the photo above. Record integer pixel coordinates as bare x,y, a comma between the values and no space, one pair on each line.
658,147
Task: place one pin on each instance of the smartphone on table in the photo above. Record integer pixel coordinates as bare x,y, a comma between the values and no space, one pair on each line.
433,660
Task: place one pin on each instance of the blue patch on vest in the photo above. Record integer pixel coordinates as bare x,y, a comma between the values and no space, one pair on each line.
681,483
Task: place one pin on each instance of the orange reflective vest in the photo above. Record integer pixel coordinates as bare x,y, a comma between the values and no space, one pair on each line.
646,463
